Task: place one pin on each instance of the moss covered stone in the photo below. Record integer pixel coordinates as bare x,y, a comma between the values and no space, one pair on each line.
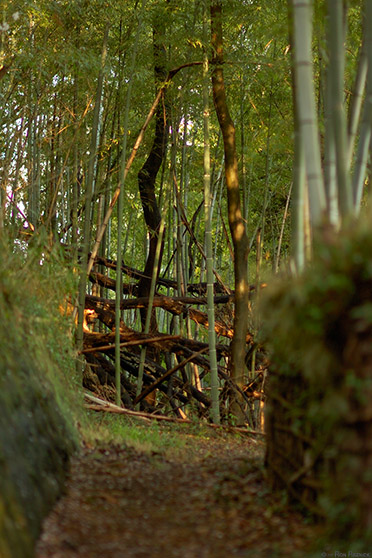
37,431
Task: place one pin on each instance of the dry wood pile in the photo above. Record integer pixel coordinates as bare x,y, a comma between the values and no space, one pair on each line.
319,392
176,368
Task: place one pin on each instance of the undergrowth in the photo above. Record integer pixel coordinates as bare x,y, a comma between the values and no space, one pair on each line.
105,429
41,404
172,440
35,282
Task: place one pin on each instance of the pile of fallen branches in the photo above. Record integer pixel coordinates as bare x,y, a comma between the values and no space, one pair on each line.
176,367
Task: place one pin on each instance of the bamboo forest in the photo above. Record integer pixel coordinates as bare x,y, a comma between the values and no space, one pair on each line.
186,278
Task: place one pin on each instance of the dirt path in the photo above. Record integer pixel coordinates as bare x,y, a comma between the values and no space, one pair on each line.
209,500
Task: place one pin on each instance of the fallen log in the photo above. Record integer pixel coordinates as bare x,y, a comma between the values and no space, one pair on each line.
108,283
173,305
130,343
104,342
199,288
132,272
163,342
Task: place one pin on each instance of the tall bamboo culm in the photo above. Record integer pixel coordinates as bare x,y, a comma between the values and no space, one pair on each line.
306,107
119,290
215,412
89,194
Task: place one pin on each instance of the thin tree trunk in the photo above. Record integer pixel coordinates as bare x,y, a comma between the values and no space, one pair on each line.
4,175
52,188
75,175
285,215
34,124
18,165
267,175
236,221
357,99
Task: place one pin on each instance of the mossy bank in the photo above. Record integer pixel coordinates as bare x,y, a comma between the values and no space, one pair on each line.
318,328
37,394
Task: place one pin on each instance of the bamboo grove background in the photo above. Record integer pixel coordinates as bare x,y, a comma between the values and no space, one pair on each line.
78,82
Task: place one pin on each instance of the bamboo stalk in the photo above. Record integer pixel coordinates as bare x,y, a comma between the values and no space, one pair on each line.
305,105
366,125
356,103
215,409
119,290
336,76
89,193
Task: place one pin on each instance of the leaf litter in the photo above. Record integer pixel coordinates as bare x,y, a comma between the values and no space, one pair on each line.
208,499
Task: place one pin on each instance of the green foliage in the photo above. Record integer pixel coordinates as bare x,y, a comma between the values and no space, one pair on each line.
41,312
56,48
53,49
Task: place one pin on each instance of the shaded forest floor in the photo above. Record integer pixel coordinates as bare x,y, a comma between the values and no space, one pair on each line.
206,498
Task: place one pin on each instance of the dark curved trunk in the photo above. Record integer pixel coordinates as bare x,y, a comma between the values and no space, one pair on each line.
149,171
